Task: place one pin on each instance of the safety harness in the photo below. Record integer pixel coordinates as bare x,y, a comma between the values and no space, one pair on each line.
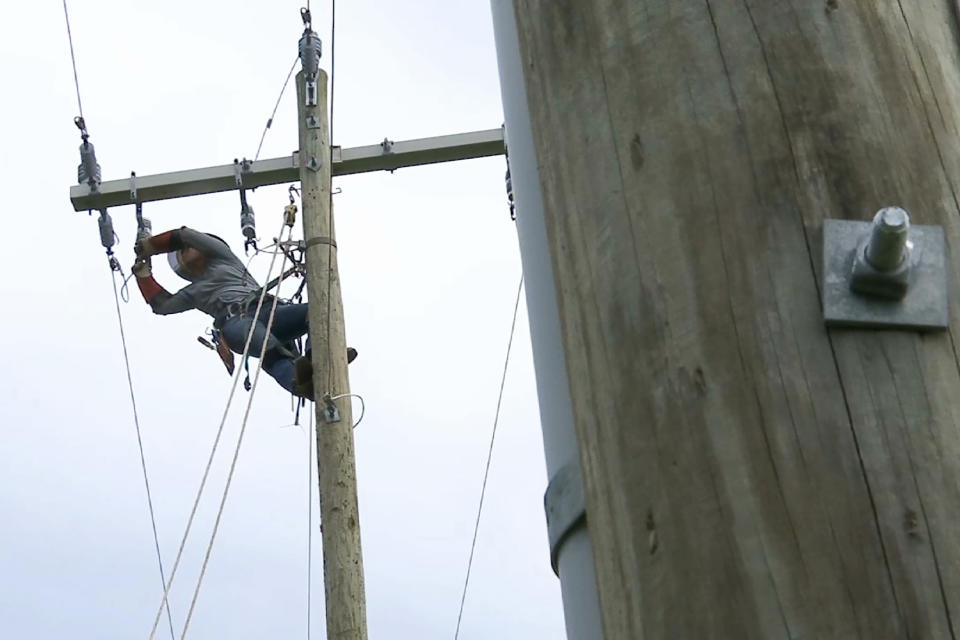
294,252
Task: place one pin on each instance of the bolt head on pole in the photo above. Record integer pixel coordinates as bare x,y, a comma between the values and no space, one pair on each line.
881,267
887,273
887,249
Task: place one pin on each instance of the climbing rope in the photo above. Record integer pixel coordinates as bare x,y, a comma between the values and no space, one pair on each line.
213,451
486,472
236,452
143,462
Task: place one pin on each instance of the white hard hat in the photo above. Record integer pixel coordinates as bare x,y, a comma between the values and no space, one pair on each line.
176,263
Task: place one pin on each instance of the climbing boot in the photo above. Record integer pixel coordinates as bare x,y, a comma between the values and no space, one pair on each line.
303,378
303,374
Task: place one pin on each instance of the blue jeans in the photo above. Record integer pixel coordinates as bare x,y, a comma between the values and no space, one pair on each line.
289,323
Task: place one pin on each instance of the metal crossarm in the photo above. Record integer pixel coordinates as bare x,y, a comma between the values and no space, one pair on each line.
386,156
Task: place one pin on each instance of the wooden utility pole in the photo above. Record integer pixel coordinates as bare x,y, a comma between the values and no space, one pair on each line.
313,165
749,473
342,556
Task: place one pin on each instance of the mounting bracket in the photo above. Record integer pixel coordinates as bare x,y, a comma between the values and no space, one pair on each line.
910,295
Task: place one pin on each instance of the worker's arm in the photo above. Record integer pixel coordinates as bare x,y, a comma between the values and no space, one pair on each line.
177,239
160,300
204,243
161,243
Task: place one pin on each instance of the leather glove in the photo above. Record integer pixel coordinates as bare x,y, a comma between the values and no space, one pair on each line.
144,248
142,268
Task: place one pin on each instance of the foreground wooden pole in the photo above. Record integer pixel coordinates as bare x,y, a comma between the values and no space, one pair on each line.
342,556
748,473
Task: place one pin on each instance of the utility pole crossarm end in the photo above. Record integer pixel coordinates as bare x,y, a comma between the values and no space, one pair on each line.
386,156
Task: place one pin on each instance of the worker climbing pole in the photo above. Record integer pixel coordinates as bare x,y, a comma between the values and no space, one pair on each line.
247,319
339,512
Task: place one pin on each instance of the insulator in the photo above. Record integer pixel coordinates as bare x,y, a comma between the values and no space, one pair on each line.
107,236
88,171
248,224
310,50
144,228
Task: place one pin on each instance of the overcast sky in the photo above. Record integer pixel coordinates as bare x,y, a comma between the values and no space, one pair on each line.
429,265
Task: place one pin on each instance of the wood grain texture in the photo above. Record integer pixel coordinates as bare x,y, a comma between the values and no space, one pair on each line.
748,473
343,583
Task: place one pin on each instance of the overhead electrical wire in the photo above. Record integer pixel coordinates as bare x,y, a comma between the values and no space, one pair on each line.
73,59
143,462
333,49
275,107
333,59
126,358
167,584
486,471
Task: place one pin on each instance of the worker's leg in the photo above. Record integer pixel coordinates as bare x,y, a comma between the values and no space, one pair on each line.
236,329
280,368
289,322
277,361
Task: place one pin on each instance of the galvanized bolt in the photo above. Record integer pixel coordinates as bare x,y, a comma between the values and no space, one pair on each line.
887,248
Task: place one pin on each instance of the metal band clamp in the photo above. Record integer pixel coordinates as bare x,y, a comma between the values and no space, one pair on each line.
565,507
312,242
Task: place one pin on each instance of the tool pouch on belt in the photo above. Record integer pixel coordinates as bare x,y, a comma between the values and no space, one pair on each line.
225,354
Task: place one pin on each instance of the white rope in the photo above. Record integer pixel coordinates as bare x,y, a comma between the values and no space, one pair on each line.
236,452
213,451
310,441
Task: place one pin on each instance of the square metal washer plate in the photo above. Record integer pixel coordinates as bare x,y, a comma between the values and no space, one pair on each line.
923,308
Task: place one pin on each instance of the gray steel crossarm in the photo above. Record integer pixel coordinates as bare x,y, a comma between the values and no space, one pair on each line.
386,156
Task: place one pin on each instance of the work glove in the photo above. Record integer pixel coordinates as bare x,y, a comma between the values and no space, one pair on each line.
144,248
142,268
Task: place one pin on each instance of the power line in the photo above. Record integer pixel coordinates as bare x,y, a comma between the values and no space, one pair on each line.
126,360
486,472
333,59
333,66
143,462
76,82
275,107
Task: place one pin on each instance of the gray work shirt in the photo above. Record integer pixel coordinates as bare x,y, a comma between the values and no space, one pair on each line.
225,281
